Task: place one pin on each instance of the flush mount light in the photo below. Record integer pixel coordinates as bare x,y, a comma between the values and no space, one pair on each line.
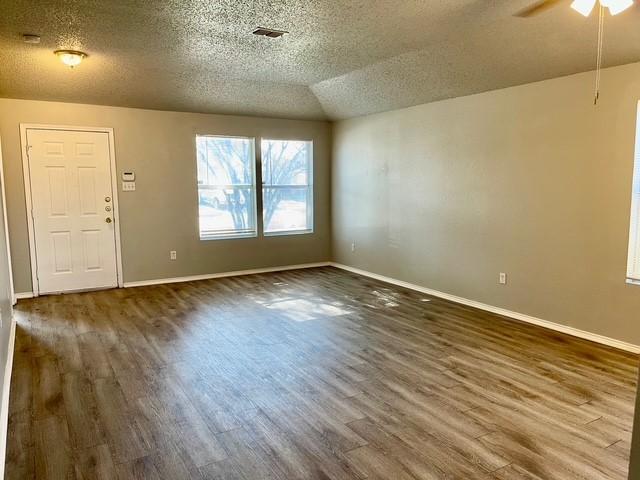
70,58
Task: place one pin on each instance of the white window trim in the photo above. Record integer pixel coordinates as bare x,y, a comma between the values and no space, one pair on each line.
233,235
308,187
227,236
633,263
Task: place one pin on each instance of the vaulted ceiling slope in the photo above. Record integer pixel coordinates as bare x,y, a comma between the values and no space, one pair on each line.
342,58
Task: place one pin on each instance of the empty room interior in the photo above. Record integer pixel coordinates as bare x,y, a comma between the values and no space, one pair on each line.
319,239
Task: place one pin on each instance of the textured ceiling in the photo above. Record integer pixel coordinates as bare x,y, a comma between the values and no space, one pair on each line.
342,58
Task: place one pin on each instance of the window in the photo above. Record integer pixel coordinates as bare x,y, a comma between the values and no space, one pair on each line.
287,186
633,267
226,187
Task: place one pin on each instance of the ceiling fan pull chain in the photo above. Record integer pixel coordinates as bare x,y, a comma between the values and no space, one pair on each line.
599,56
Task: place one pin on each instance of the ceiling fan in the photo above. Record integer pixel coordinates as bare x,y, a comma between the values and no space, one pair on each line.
584,7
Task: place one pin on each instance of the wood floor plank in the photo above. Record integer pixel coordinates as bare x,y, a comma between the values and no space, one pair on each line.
245,459
124,435
138,469
292,460
21,393
53,455
85,428
47,388
308,374
514,472
20,450
223,470
95,463
378,466
425,458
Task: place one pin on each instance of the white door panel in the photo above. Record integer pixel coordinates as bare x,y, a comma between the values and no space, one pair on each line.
70,174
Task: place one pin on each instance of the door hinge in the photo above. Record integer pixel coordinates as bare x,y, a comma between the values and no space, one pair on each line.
27,149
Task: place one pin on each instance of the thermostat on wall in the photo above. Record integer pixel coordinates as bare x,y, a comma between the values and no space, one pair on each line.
128,176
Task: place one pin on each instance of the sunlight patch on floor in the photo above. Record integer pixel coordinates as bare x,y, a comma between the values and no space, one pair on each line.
302,310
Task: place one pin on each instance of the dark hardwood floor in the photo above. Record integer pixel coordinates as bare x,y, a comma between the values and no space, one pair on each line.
309,374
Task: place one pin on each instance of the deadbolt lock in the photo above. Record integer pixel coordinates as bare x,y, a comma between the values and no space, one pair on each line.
107,199
108,219
107,208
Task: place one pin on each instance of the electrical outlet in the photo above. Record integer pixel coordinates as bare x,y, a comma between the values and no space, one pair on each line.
128,186
353,246
502,279
173,255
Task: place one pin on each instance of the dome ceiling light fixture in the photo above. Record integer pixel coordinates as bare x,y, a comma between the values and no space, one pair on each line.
71,58
584,7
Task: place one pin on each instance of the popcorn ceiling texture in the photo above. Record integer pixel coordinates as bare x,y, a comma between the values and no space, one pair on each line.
343,58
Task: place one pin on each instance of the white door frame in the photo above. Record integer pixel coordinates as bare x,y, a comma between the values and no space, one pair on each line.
27,194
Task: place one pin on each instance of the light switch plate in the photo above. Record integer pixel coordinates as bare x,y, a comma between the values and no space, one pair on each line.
128,186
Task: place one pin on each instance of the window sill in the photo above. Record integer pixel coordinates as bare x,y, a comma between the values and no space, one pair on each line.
207,238
632,281
287,232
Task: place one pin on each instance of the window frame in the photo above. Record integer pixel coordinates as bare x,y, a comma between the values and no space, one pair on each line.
633,259
252,187
309,187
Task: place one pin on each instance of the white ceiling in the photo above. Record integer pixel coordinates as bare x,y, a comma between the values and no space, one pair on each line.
342,58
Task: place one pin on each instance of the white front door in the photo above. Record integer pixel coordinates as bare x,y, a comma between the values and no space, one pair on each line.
72,208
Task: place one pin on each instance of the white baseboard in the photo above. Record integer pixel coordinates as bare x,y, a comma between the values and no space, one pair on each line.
235,273
594,337
4,405
23,295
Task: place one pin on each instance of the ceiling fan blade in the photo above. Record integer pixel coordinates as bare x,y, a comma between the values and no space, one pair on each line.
537,8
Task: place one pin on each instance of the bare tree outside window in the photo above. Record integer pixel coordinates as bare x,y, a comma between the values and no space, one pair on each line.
226,186
287,191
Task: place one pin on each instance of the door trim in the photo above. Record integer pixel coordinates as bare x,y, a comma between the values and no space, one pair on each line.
29,205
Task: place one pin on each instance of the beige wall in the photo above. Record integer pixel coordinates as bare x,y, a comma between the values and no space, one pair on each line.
161,215
5,309
534,181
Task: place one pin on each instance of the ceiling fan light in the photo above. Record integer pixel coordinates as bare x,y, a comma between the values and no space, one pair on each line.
583,7
617,6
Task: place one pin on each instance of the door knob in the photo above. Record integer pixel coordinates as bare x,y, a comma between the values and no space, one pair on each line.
108,219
